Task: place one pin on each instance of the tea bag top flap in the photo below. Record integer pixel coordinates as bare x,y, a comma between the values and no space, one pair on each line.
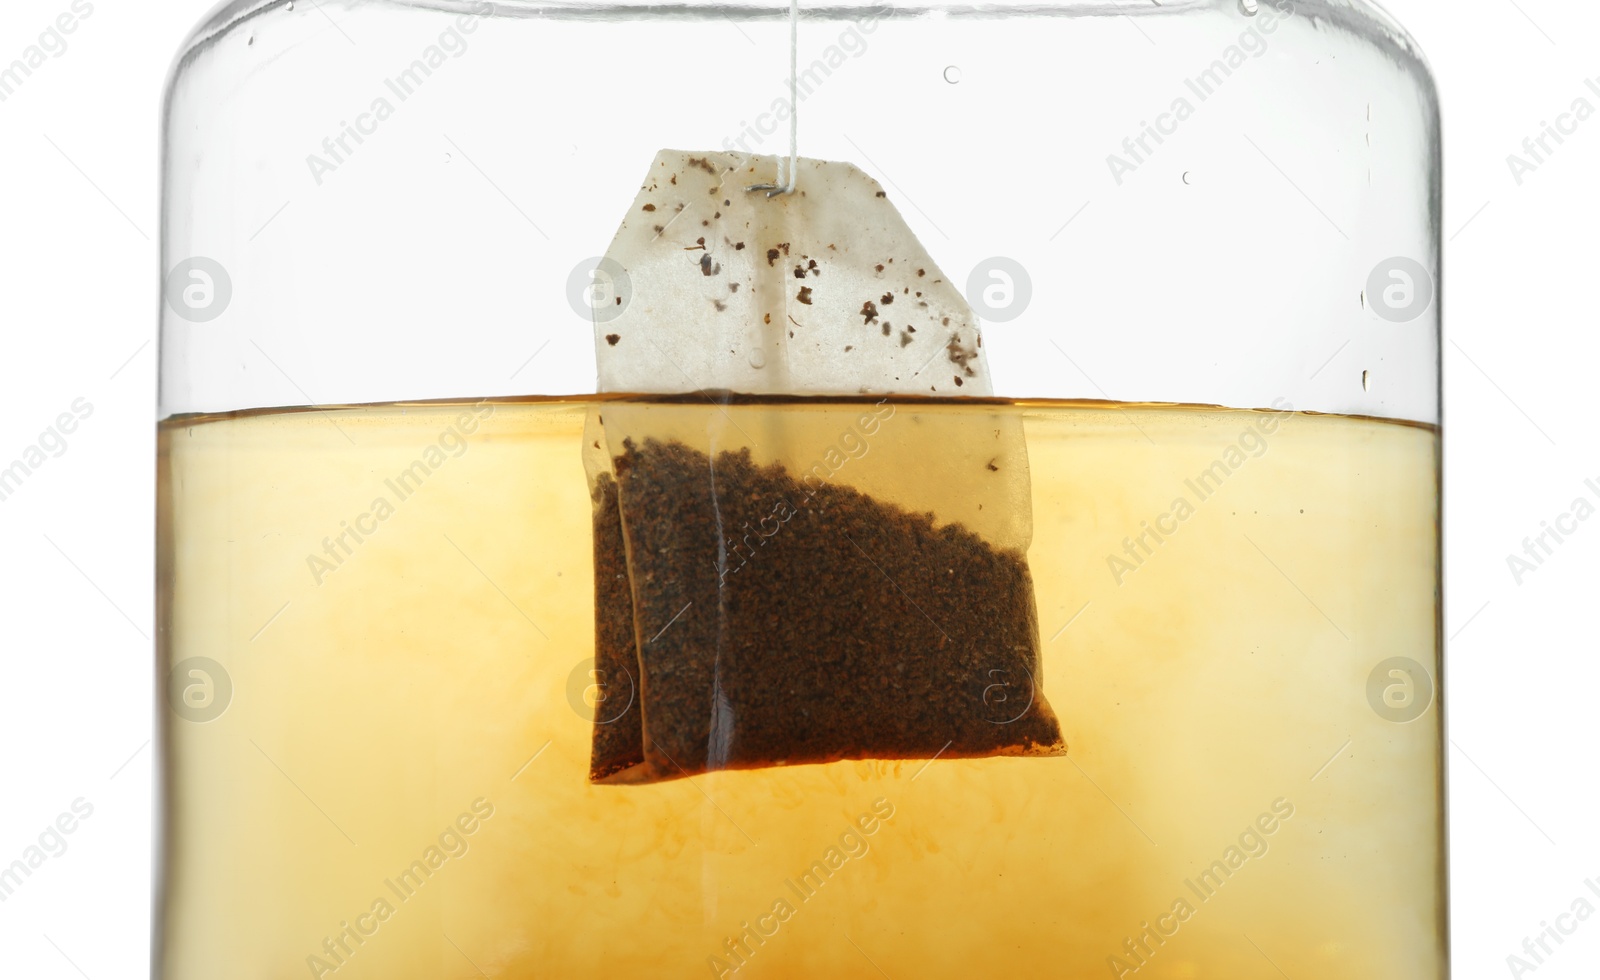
821,291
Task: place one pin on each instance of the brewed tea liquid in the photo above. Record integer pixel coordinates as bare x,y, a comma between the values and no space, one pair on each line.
378,623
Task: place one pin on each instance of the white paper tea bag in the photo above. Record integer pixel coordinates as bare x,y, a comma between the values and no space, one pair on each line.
821,291
766,562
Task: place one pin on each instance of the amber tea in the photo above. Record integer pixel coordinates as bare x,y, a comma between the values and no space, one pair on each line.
378,626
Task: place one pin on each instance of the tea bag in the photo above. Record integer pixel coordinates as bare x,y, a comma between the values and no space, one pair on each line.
822,291
801,580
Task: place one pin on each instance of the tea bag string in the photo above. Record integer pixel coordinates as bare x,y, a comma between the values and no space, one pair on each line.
794,97
789,169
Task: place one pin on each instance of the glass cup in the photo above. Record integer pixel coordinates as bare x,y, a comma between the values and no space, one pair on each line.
1201,243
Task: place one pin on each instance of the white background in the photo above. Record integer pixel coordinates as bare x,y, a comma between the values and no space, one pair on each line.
79,285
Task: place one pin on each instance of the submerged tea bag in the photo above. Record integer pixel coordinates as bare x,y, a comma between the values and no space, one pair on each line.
798,580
